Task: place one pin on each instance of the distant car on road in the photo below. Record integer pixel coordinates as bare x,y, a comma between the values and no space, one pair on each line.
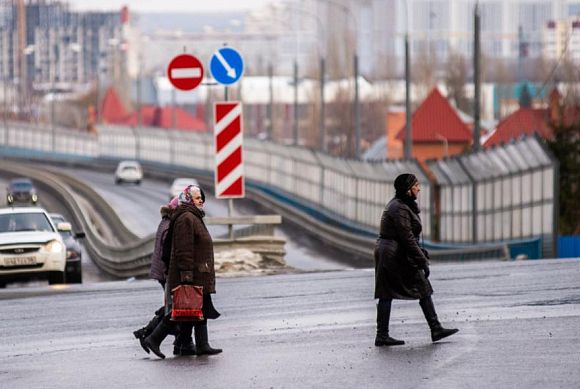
21,190
179,184
30,246
129,171
74,273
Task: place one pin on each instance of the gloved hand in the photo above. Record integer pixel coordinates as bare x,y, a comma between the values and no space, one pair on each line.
186,277
426,271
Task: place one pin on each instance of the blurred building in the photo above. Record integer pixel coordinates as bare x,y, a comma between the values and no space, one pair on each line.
375,29
562,37
45,46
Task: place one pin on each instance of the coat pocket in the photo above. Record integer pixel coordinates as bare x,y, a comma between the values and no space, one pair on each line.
204,267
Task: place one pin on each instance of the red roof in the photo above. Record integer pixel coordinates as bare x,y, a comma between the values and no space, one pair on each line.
436,119
113,112
112,109
524,121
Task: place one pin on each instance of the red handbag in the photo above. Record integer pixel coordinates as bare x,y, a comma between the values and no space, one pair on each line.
187,303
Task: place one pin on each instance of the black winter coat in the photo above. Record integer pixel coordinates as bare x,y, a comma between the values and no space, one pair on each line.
398,258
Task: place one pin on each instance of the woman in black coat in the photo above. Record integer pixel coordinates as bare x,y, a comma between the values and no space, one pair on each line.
401,266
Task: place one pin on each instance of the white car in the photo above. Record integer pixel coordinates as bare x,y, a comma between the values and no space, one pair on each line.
129,171
179,184
30,247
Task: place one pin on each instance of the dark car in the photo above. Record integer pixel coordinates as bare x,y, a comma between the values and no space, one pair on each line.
21,190
74,274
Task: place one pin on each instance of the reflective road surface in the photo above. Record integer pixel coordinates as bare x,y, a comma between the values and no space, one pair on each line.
519,328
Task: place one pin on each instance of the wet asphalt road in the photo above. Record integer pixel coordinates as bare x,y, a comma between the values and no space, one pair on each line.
519,328
138,207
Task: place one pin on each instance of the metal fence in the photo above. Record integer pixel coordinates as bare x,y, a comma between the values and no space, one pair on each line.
346,190
506,193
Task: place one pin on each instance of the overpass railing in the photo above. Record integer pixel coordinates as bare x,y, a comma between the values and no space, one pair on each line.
495,195
505,193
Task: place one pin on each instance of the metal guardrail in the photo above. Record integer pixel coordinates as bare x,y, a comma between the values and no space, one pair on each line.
127,255
342,193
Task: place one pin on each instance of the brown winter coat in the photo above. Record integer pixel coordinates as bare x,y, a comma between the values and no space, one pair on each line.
192,258
398,258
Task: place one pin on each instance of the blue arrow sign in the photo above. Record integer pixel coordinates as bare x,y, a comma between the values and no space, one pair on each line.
226,66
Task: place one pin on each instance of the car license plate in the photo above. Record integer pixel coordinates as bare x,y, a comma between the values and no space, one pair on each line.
19,261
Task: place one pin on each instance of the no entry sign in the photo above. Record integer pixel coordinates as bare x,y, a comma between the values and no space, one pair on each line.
185,72
229,161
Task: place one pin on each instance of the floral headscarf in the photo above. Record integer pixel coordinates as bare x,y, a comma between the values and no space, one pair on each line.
186,196
173,203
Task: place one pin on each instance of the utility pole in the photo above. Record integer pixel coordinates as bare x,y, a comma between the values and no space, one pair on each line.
139,97
322,128
271,104
173,105
476,81
295,135
21,57
408,128
357,128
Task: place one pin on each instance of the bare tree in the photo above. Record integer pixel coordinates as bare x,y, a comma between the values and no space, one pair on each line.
570,74
425,72
339,127
502,73
456,79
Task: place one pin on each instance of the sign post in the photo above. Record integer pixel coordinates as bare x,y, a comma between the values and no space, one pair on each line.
227,67
185,72
229,161
229,167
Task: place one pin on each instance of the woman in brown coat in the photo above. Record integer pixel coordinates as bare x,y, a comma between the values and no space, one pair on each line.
401,266
192,262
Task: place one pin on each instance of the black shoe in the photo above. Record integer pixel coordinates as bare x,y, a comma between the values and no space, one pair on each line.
387,341
141,335
201,340
153,341
440,333
208,350
383,317
437,330
184,349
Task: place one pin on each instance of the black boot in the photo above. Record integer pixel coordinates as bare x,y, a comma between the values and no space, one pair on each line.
383,317
183,344
437,330
153,341
144,332
203,347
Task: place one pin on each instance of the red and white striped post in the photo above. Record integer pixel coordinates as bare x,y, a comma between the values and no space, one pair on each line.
229,162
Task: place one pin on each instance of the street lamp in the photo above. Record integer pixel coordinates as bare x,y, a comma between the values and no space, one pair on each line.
270,113
347,11
322,54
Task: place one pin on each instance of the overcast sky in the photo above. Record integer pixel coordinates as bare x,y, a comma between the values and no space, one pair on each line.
169,5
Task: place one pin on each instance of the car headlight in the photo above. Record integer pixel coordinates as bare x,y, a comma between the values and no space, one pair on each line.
70,254
54,246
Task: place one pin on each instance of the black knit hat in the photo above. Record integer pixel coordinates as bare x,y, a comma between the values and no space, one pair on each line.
404,182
